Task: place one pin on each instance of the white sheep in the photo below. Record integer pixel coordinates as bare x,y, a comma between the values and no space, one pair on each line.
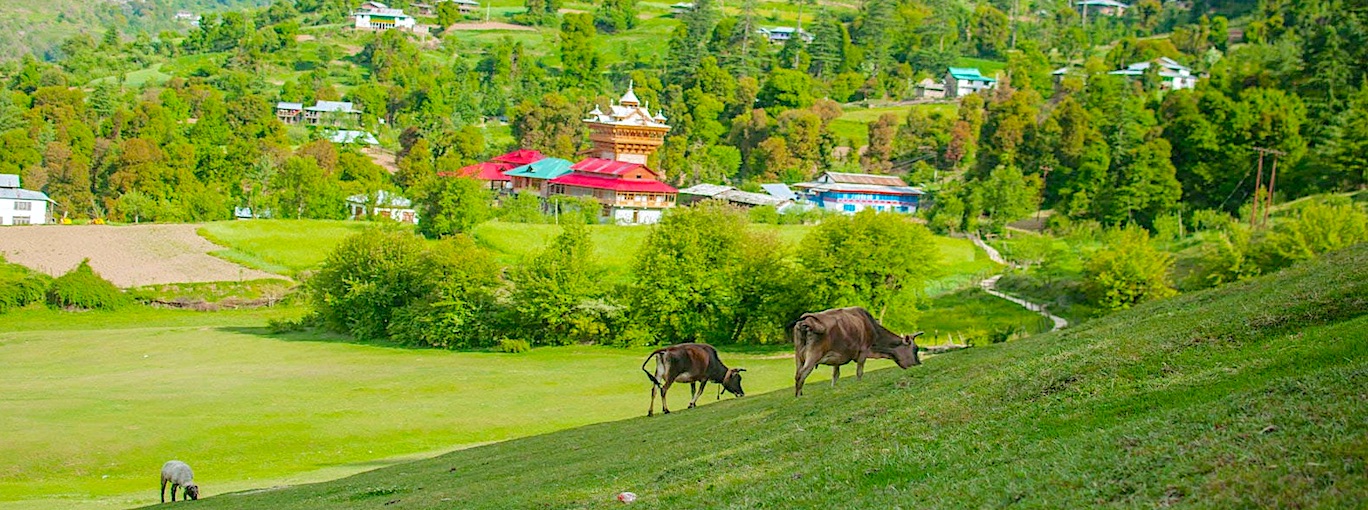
178,473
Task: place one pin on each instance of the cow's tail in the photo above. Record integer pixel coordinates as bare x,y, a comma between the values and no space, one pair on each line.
657,355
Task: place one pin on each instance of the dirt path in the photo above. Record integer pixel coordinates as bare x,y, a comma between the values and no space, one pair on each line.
990,286
128,256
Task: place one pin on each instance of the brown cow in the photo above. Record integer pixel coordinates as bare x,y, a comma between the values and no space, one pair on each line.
841,335
690,363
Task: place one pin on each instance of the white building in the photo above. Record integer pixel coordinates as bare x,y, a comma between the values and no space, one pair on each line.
781,34
20,206
1172,75
378,16
962,81
384,205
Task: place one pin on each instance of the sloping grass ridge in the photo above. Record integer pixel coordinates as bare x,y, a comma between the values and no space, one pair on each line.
1247,395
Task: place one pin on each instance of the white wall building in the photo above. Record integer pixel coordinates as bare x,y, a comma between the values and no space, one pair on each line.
378,16
19,206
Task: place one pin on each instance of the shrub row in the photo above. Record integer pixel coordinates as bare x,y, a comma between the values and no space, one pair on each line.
80,288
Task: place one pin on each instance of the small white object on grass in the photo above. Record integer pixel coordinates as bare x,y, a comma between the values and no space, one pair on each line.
626,497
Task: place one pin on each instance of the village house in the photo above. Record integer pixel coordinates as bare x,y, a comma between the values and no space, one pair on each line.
779,35
681,8
621,139
382,204
492,171
328,113
851,193
1172,75
377,16
1103,7
930,89
462,6
20,206
701,192
962,81
532,177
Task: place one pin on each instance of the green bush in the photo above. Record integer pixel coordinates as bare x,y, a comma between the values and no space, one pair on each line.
392,285
83,288
20,287
512,346
1128,271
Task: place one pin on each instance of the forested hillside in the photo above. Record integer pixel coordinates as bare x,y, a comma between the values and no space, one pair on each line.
128,121
39,28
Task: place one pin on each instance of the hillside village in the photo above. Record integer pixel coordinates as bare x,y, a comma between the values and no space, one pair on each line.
419,253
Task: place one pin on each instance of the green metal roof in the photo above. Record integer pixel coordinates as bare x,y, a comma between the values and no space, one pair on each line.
968,73
545,168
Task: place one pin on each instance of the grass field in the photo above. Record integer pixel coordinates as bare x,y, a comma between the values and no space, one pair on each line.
1250,395
279,246
94,402
853,125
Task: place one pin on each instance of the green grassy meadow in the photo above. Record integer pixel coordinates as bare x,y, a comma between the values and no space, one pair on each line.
95,402
1249,395
853,125
279,246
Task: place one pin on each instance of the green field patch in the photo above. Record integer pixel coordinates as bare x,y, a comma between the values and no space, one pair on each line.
853,125
279,246
91,412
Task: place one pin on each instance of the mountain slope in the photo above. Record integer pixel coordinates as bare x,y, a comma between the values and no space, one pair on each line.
1247,395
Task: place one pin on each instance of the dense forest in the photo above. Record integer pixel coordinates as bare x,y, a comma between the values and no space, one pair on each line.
126,124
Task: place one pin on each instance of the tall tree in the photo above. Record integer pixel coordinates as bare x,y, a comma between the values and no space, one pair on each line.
579,53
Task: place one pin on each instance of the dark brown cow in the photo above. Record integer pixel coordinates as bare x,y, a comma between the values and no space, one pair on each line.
841,335
690,363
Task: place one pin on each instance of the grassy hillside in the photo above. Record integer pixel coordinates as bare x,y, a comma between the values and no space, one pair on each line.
1248,395
95,402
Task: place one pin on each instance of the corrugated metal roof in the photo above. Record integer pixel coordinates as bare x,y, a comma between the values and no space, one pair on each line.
877,180
23,194
779,190
289,106
333,106
520,157
968,73
607,166
706,190
545,168
485,171
746,197
613,183
351,136
9,181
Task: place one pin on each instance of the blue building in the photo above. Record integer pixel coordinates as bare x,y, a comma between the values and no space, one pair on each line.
852,193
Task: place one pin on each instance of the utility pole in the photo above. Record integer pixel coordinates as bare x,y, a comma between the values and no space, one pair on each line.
1267,199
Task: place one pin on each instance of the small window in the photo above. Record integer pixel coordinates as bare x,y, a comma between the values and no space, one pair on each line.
848,208
21,220
23,206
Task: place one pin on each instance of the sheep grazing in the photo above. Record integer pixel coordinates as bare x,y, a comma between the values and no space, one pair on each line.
178,473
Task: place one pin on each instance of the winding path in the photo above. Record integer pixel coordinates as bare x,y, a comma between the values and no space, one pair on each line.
990,286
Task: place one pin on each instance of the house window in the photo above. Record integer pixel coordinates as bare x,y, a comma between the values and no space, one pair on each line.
23,206
21,220
848,208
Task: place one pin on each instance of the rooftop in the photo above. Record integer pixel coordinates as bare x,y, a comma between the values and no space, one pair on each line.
520,157
350,136
1103,3
486,171
334,106
613,183
706,190
9,181
608,167
289,106
628,112
870,179
545,168
968,73
779,190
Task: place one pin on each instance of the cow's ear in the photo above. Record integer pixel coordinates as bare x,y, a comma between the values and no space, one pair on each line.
740,370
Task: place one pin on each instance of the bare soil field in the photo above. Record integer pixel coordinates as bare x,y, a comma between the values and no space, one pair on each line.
128,256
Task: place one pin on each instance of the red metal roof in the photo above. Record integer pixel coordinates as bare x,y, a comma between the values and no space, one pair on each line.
520,157
608,167
482,171
613,183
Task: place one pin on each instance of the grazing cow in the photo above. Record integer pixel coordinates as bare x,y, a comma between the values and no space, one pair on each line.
841,335
690,363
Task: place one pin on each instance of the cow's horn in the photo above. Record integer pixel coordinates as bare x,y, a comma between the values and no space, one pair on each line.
740,370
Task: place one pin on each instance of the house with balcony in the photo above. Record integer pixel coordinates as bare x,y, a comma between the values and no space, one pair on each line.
1172,75
377,17
850,193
